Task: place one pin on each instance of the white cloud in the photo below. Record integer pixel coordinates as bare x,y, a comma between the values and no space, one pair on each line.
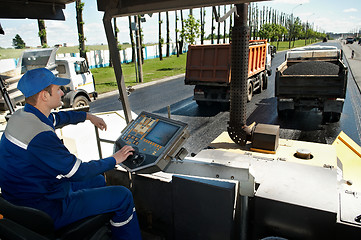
350,10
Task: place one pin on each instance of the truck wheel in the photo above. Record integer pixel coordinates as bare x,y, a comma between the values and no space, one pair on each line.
250,92
265,81
335,116
80,101
326,117
260,86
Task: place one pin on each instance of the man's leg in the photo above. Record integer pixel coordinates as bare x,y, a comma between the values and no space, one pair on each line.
89,202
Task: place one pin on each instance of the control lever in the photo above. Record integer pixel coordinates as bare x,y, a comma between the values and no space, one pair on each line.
136,158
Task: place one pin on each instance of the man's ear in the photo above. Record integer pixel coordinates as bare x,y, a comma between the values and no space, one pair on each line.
43,96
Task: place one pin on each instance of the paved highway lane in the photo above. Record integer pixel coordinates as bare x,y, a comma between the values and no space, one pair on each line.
207,124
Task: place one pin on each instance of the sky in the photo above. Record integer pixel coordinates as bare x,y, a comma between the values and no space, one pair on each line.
326,15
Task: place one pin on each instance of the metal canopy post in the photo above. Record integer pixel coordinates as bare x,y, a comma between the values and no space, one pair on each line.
114,54
237,129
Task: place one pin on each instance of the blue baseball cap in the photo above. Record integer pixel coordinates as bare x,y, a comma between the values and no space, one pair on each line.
35,80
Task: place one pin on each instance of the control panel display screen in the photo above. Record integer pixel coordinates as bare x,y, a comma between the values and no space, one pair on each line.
162,133
152,138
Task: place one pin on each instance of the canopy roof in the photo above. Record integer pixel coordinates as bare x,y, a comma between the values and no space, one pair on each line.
136,7
53,9
34,9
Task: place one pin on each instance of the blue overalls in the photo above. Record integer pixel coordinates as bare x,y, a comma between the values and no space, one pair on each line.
38,171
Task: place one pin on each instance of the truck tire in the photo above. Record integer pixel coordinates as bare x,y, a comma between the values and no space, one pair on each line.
331,117
335,116
260,79
249,92
80,101
265,81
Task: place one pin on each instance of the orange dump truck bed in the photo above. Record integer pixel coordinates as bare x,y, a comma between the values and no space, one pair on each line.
212,63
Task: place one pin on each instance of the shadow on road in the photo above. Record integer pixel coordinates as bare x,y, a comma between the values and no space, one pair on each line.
188,107
266,113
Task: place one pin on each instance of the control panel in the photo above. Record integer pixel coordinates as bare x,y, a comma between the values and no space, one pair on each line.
155,139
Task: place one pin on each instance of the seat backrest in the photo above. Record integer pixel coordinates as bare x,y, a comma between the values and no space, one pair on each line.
33,219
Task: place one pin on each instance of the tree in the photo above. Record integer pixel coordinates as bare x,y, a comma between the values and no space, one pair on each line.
212,28
182,39
267,31
18,42
160,39
168,38
79,20
176,32
219,25
131,38
42,33
191,29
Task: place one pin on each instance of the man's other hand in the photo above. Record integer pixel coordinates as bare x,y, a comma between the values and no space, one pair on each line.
97,121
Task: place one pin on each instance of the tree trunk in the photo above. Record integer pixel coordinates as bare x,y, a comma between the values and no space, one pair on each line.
202,24
168,38
230,27
219,26
182,40
212,28
140,32
139,49
116,39
160,41
224,25
176,32
79,20
131,38
42,32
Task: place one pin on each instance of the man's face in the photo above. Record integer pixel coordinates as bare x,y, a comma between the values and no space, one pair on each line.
55,97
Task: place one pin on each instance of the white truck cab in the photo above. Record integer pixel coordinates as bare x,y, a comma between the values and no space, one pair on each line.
79,91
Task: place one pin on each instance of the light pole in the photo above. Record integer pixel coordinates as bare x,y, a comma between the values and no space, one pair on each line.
292,28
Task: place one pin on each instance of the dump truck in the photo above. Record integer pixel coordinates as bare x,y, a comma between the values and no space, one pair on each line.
77,93
312,78
209,69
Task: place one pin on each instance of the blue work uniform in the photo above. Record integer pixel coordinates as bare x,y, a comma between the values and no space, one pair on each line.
37,170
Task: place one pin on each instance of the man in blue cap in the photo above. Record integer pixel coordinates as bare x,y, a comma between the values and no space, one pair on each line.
38,171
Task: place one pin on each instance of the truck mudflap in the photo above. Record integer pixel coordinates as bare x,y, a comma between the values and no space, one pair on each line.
334,105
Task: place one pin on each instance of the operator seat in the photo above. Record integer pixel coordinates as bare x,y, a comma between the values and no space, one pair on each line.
20,222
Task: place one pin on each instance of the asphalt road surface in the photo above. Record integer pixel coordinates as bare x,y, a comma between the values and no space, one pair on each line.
206,124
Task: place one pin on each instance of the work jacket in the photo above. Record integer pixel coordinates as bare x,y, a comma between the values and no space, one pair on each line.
35,166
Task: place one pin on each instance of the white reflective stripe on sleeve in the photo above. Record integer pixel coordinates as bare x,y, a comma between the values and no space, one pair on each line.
120,224
16,141
54,119
72,171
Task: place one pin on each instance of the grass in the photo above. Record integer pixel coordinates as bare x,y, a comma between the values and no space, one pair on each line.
153,69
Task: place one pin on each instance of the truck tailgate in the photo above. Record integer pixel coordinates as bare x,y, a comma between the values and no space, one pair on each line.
309,86
211,64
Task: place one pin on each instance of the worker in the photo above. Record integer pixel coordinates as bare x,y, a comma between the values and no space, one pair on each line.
38,171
